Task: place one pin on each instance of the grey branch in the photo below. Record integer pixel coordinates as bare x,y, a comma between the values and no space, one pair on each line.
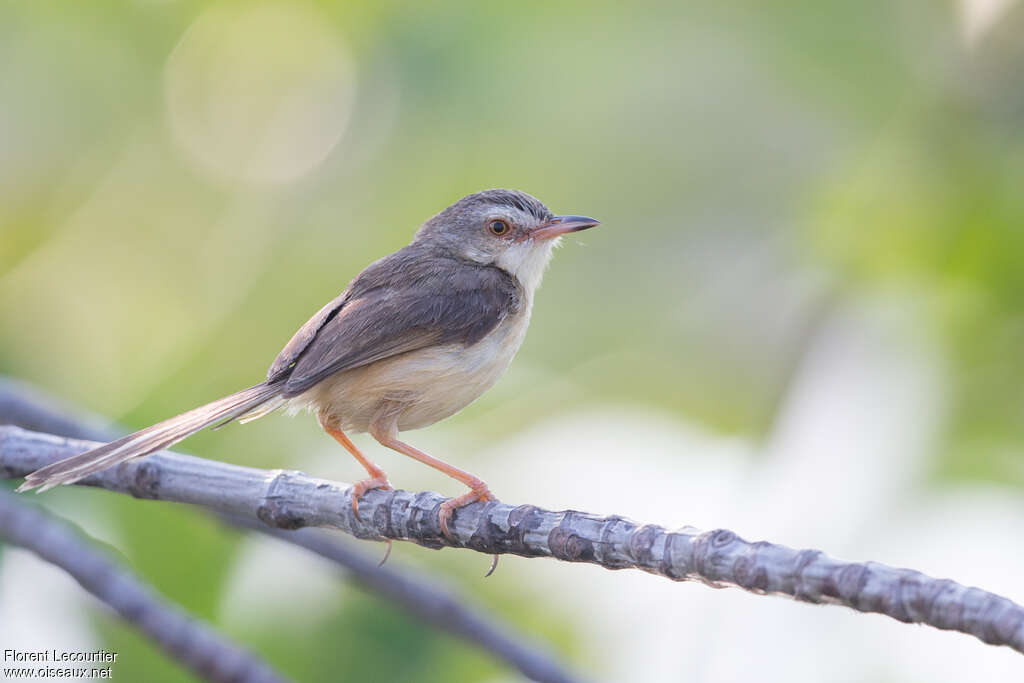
430,603
718,558
190,642
22,405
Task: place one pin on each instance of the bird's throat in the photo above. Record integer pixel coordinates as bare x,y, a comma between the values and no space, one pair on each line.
526,262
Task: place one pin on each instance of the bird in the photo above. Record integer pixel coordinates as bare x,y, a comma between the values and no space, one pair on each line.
413,339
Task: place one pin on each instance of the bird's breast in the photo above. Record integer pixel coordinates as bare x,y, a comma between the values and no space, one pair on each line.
432,383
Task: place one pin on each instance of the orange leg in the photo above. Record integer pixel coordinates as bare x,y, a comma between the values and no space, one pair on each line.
377,479
386,432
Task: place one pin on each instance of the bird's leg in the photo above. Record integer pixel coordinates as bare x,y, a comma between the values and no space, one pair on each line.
385,430
377,479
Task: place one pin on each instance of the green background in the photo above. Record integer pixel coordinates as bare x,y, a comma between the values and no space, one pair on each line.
756,167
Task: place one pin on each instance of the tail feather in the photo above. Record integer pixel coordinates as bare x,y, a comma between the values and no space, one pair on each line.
149,440
259,411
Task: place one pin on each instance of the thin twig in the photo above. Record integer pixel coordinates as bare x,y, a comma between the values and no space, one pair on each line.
187,640
291,500
24,406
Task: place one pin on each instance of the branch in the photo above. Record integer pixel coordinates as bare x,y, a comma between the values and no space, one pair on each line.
430,603
719,558
188,641
24,406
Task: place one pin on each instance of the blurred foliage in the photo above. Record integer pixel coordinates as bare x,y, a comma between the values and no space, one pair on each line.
750,162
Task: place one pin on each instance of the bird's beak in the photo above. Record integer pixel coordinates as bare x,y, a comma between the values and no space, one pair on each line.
560,225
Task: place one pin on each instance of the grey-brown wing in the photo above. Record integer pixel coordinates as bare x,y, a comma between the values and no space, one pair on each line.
380,274
445,301
301,339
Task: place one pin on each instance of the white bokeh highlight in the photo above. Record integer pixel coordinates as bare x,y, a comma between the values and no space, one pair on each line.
263,588
844,472
42,609
977,17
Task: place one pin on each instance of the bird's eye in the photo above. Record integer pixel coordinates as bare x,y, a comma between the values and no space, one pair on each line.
498,227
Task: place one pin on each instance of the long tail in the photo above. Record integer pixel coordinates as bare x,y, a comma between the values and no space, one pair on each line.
149,440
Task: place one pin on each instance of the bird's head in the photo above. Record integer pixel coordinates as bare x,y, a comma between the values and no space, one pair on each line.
505,228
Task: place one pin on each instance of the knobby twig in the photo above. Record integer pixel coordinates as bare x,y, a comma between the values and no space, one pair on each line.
190,642
291,500
24,406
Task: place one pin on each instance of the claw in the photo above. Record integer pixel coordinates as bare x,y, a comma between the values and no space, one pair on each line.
361,487
387,554
494,565
449,507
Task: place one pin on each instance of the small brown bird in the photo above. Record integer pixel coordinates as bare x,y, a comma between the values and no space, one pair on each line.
413,339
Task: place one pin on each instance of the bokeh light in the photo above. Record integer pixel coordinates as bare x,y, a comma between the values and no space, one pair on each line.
259,93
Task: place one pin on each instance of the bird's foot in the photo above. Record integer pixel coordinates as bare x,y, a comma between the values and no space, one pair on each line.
361,487
448,508
477,493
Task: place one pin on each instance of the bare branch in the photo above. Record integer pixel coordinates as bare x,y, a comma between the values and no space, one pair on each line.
26,407
187,640
23,405
430,603
719,558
